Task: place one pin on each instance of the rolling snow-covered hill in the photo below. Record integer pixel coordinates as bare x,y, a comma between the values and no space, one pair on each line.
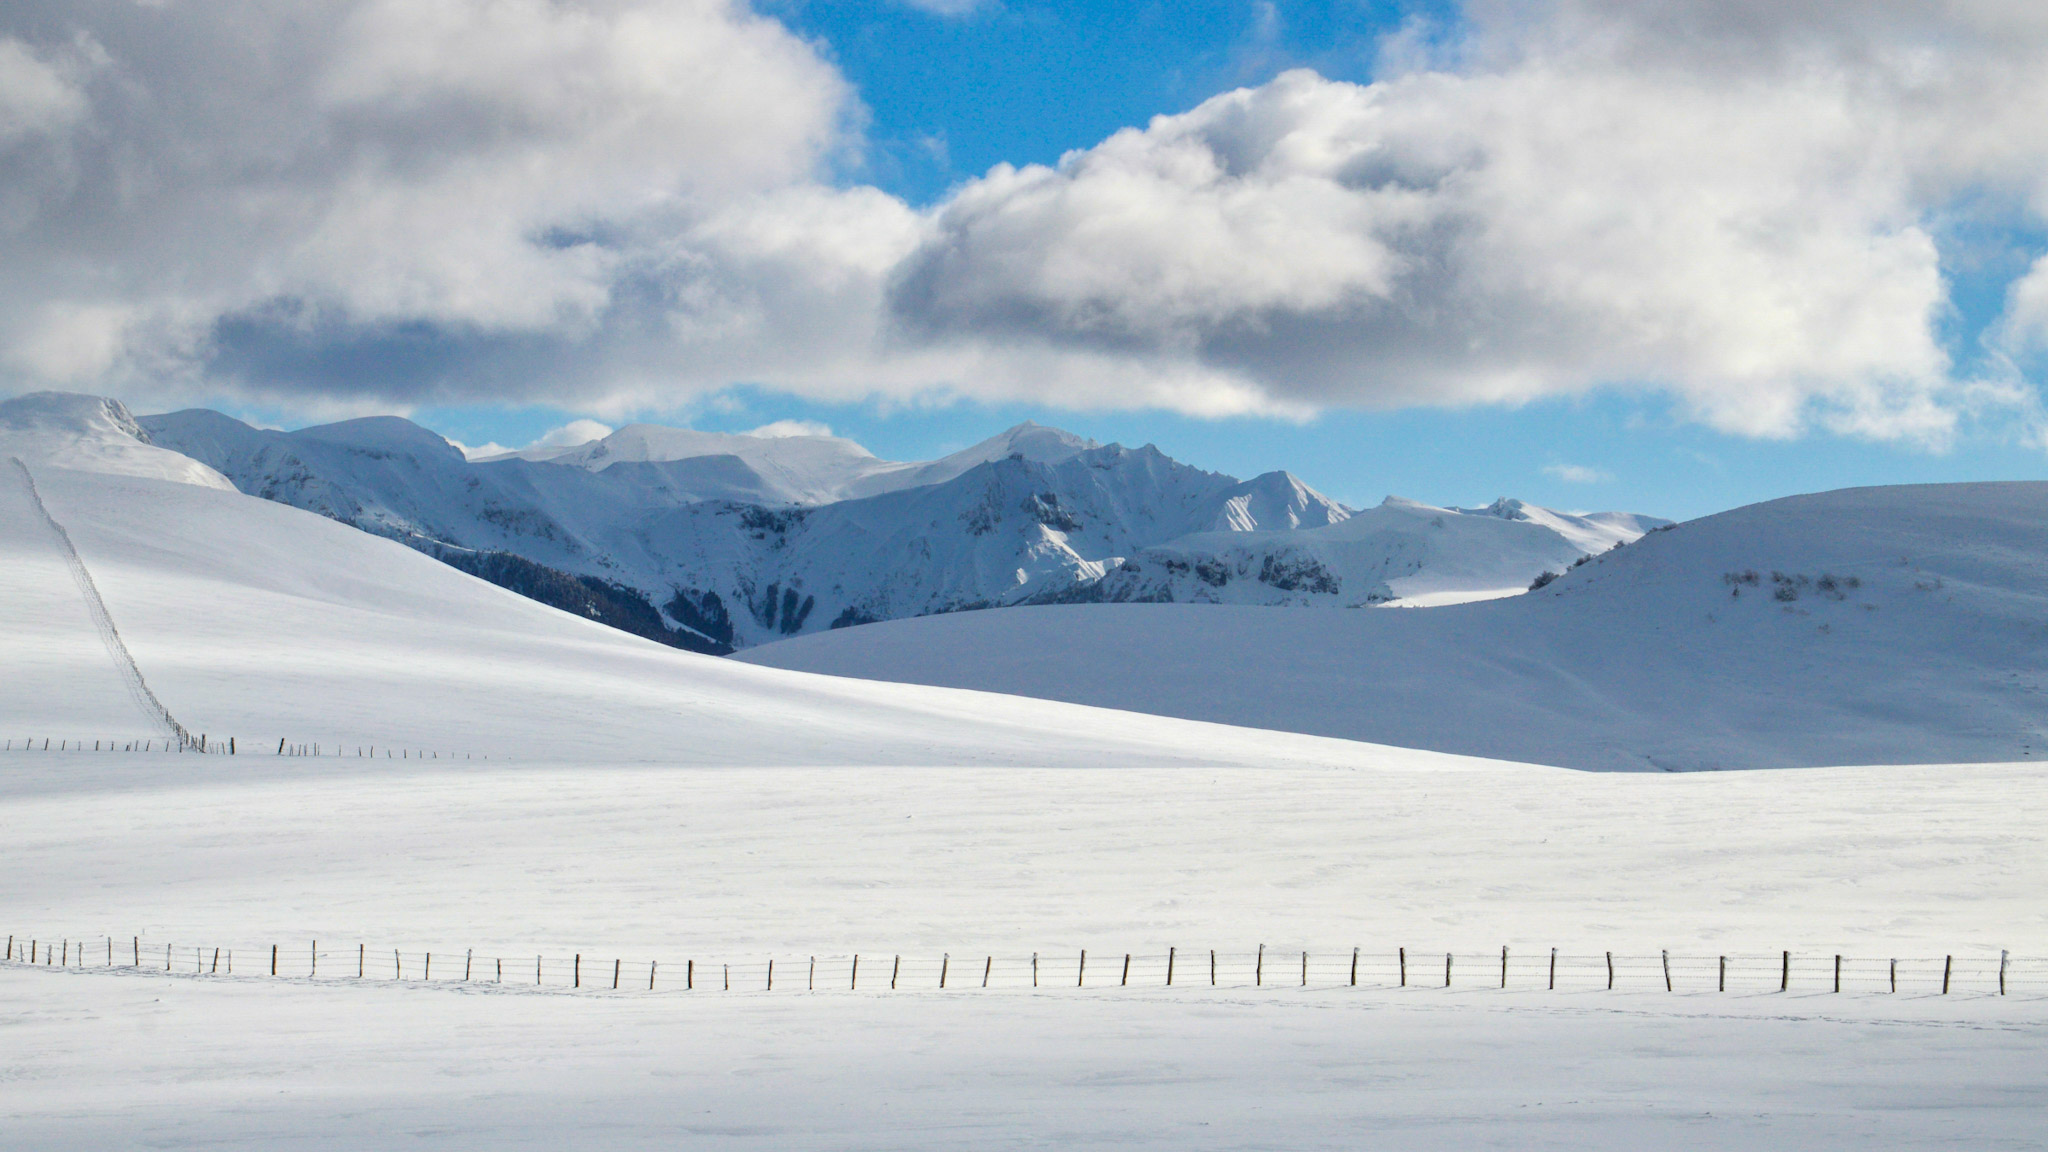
720,542
1872,625
252,619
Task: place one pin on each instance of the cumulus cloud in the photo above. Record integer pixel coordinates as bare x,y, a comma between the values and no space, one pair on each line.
777,429
570,435
627,203
1577,474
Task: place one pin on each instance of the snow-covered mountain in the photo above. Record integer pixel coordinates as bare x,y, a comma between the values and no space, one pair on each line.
1400,552
721,542
93,434
1872,625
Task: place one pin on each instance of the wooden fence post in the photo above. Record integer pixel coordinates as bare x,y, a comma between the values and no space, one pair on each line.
1034,969
945,962
1354,967
896,969
273,959
690,975
313,962
138,951
1838,972
468,962
616,962
1447,969
1169,967
771,975
1610,971
1721,983
1404,967
359,961
986,969
1212,967
1304,969
1503,965
1895,974
811,981
1785,973
2003,956
650,974
855,984
1553,969
1947,964
1259,969
578,977
1081,976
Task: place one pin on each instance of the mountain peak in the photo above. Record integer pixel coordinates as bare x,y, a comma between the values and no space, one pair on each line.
92,434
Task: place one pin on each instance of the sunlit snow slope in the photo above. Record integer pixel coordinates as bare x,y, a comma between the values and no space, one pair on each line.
1871,625
264,622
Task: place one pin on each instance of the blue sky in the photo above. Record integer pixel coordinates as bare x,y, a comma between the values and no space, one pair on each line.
1585,254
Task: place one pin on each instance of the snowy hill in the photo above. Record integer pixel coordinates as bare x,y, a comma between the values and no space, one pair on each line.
95,434
251,619
1872,625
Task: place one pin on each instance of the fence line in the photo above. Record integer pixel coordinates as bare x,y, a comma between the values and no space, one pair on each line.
230,746
1783,971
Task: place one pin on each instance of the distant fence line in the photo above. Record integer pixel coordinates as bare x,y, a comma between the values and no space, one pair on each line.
1552,970
230,746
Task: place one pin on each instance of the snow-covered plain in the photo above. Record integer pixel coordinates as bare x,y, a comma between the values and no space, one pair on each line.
645,803
1875,625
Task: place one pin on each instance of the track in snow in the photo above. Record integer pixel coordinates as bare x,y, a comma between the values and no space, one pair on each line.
102,621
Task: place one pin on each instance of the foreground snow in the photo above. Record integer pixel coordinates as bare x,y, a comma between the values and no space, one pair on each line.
118,1061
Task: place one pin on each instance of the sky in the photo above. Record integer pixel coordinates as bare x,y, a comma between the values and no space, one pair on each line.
1667,255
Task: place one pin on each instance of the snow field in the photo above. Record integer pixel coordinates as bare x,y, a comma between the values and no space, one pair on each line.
737,864
111,1060
646,804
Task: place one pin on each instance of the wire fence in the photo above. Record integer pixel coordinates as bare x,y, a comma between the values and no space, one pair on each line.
1973,974
230,746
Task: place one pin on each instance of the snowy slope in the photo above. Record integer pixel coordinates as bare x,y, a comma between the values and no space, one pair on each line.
92,433
252,619
1873,625
1401,552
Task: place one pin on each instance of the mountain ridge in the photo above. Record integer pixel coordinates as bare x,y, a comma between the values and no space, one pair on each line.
702,552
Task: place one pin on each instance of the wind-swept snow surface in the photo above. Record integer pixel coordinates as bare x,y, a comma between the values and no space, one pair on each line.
1872,625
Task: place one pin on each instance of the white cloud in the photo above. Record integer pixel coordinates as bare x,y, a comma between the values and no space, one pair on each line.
1577,474
570,435
258,178
778,429
573,433
623,204
39,96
